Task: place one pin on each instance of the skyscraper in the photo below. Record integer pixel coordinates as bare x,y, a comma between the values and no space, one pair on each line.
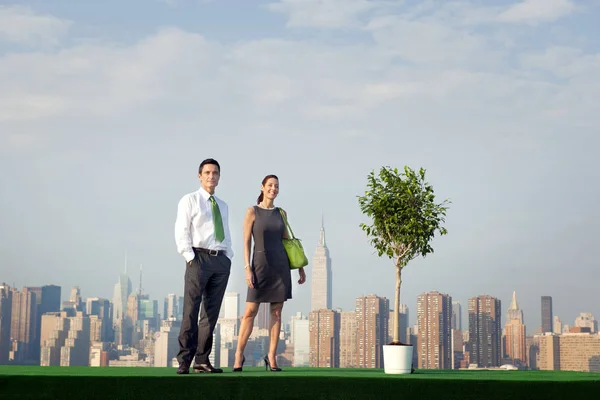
372,316
515,339
231,305
123,289
456,316
5,318
485,331
171,307
324,328
514,311
76,349
402,324
263,316
434,315
301,334
101,309
321,276
23,325
587,320
348,340
546,314
167,344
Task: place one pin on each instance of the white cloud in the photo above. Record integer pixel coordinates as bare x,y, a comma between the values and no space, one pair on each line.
176,3
322,13
499,124
419,66
430,42
103,80
534,11
22,25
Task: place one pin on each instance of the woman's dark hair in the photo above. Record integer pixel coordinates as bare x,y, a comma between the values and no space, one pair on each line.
260,197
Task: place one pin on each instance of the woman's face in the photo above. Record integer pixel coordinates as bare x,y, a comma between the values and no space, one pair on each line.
270,189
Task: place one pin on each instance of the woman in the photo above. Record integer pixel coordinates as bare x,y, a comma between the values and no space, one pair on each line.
268,277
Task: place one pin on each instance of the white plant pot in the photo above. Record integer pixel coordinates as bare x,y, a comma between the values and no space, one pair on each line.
397,359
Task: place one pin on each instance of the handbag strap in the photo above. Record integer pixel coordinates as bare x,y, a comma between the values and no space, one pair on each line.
286,223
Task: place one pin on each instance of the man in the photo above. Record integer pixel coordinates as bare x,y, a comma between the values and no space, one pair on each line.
203,239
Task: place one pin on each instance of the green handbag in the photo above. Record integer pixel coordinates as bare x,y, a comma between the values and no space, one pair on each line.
293,247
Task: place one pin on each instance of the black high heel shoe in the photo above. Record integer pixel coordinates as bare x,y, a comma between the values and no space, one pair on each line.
240,368
268,365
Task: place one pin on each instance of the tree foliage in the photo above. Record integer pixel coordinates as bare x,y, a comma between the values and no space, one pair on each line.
404,214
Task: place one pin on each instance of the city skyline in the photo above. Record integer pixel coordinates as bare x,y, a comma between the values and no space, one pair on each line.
322,255
505,315
78,333
108,109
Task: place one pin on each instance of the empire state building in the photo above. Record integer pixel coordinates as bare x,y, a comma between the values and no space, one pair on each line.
321,275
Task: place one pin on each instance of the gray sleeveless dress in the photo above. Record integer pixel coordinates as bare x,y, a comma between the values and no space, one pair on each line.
270,264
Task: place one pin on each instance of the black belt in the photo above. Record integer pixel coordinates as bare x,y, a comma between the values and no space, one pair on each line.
207,251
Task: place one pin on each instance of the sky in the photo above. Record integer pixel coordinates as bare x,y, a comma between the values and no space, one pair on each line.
107,109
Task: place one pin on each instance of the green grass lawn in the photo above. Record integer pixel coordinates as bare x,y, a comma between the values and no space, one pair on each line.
26,382
543,376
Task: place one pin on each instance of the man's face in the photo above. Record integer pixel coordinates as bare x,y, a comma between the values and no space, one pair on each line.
209,177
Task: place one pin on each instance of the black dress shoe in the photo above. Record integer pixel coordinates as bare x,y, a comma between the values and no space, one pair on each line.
184,368
206,369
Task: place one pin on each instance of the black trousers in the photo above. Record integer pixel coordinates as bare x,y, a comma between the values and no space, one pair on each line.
206,279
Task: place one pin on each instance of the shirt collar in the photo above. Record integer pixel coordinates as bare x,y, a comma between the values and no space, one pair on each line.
204,194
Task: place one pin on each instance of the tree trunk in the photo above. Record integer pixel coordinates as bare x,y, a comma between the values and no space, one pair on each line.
397,305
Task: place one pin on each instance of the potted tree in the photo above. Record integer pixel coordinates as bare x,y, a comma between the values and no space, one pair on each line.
405,218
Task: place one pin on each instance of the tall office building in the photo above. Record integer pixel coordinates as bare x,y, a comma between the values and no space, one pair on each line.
485,331
372,316
171,307
515,334
348,340
263,317
557,326
456,316
76,350
547,314
48,301
434,319
587,320
166,346
34,344
75,303
55,329
23,326
321,282
570,352
66,339
324,329
231,305
101,327
402,324
123,289
75,298
121,325
514,311
5,319
293,319
301,334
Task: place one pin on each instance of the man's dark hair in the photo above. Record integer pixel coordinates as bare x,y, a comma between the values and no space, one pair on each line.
208,161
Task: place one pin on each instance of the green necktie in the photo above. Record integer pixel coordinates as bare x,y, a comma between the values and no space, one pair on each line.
219,232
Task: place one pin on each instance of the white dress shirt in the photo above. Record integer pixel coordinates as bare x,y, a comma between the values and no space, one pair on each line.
194,226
